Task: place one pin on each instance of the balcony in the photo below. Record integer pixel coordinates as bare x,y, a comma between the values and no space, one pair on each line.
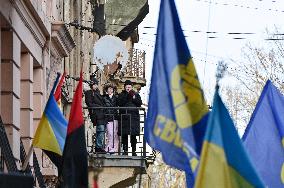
120,168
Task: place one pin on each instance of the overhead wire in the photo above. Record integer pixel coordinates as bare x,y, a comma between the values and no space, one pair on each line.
237,37
243,6
207,40
194,51
212,32
234,5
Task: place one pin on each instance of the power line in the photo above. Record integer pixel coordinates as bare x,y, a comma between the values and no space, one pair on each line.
243,6
234,5
204,1
207,38
224,33
194,51
270,38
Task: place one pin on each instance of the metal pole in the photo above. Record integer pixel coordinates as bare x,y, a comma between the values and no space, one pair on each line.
27,158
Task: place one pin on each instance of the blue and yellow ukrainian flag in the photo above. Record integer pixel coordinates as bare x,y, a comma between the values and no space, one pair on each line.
177,114
224,162
51,131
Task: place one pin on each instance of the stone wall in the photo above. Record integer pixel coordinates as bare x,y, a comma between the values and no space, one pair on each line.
83,52
35,42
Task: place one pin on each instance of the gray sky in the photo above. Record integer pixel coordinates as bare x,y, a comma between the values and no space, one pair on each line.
222,17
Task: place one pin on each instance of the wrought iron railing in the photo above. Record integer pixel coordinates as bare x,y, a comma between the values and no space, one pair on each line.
136,63
37,172
2,162
119,113
6,150
37,175
7,159
23,157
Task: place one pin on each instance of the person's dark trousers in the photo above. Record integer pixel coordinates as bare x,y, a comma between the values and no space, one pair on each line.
100,138
124,141
133,144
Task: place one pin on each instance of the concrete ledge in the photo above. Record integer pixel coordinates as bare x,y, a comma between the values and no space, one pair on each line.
106,160
62,38
115,170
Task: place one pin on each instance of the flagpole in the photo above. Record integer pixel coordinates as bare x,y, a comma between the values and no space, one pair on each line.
27,158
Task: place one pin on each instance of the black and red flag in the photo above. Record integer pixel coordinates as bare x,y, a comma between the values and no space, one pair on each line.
75,164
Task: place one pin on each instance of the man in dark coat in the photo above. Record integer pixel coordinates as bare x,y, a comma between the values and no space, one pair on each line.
93,98
129,118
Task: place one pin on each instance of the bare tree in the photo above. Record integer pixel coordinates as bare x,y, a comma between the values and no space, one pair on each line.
163,175
259,65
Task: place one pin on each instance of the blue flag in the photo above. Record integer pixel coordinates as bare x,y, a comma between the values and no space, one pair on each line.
224,162
264,139
177,114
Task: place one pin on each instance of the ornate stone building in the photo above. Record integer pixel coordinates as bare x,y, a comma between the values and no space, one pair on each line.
88,21
33,43
38,39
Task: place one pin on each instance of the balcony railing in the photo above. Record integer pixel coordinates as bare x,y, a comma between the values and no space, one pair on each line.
119,114
8,166
136,64
143,151
2,161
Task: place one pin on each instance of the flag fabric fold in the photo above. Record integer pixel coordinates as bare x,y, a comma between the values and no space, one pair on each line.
58,91
51,131
177,113
264,136
75,164
224,162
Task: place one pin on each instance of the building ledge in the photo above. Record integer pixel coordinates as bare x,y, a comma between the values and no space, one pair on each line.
42,19
61,38
106,160
135,80
115,170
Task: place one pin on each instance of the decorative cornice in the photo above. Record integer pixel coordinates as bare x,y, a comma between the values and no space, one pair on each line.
37,13
61,38
27,25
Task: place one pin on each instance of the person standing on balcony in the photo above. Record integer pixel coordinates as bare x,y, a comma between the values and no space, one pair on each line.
111,115
93,98
130,118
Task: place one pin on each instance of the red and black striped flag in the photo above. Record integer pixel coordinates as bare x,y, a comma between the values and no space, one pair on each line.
75,165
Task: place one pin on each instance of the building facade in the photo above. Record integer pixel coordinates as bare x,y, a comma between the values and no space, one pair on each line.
33,42
39,39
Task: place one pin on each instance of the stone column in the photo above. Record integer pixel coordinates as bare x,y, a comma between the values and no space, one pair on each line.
27,130
38,95
10,88
38,101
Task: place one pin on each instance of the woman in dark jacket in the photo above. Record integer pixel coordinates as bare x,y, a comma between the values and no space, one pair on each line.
129,118
93,98
111,114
